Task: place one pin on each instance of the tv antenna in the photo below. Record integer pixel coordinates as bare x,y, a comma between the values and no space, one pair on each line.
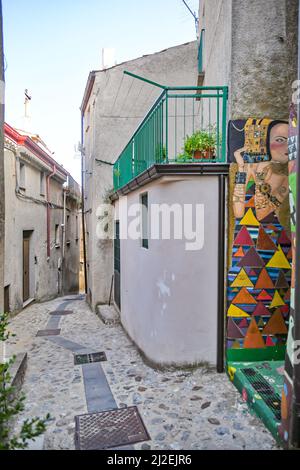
193,13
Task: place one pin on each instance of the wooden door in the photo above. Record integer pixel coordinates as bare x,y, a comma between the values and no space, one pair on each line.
26,279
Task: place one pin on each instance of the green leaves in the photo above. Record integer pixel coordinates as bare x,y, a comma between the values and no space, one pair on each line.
11,405
200,140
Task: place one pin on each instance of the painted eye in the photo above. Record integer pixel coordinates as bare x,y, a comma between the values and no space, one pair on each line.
281,140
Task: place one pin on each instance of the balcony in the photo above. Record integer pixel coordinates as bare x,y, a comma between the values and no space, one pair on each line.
185,125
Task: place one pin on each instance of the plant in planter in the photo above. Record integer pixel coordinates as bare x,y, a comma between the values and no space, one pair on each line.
201,144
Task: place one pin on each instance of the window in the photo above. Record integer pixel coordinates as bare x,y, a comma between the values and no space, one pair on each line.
144,221
22,175
42,183
57,238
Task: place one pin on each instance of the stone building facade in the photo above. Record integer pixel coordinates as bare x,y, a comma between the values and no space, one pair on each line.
112,108
42,236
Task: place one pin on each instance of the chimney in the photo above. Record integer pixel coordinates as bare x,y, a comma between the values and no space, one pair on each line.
108,58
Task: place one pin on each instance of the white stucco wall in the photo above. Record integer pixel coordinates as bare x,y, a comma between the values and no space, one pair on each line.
168,294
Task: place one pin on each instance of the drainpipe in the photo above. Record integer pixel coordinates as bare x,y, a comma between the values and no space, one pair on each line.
295,430
65,190
48,209
82,207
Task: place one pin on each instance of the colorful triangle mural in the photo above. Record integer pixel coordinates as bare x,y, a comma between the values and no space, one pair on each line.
253,338
261,311
251,260
239,253
277,301
264,296
244,297
233,330
276,325
281,282
284,239
279,260
264,242
249,219
243,238
264,281
236,312
242,280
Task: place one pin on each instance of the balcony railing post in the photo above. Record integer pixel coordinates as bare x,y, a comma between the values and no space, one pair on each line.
156,140
167,126
224,123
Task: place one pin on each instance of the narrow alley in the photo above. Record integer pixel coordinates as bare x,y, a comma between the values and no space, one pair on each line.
181,409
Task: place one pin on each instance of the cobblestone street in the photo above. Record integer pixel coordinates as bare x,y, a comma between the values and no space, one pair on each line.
181,409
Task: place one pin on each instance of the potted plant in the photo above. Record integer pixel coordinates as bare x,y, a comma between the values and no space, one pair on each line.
201,144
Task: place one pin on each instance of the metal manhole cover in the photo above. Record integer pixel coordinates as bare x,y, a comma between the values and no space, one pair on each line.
48,333
88,358
109,429
62,312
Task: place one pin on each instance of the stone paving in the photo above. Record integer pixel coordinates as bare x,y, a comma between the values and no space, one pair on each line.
183,409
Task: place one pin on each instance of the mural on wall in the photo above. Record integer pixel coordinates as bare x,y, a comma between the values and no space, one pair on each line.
286,400
259,277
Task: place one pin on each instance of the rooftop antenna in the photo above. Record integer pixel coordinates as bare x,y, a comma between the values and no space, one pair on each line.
27,99
193,15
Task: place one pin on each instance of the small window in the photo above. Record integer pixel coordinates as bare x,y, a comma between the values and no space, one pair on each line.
42,183
57,237
144,220
6,299
22,175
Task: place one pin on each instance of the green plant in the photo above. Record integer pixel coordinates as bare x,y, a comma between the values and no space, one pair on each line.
160,153
11,405
200,141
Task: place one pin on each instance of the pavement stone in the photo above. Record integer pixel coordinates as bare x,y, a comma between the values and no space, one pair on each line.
178,407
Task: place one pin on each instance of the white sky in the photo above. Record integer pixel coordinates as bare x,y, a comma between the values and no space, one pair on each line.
51,46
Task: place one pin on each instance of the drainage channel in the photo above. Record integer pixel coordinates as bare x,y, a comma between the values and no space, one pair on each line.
105,426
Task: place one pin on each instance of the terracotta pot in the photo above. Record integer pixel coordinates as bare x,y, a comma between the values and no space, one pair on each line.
199,154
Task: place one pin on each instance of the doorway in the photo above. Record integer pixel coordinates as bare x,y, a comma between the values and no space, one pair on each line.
26,265
117,266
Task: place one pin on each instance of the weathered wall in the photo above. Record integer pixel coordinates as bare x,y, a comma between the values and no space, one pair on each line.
116,107
23,215
168,294
252,48
263,59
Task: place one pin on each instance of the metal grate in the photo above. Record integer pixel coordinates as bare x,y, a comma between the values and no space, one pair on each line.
266,391
61,312
48,333
88,358
109,429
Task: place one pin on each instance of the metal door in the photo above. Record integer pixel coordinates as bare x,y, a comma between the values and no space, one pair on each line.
117,266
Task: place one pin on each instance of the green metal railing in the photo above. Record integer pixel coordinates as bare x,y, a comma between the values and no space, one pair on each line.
179,116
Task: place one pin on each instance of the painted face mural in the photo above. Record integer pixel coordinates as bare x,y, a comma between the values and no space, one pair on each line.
259,276
287,392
